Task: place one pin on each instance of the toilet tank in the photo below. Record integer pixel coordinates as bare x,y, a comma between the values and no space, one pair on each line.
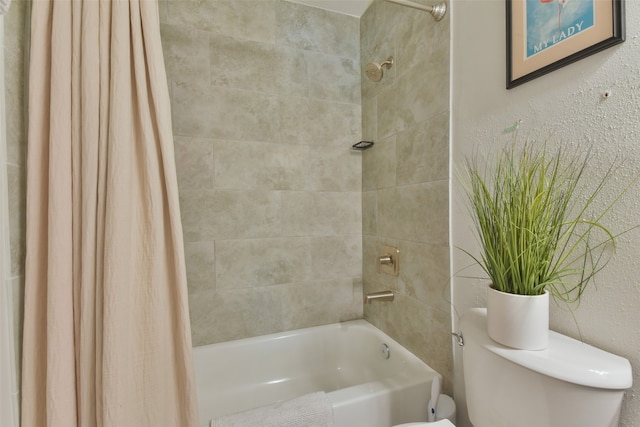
569,384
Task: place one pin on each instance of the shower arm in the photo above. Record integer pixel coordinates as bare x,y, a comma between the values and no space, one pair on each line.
437,11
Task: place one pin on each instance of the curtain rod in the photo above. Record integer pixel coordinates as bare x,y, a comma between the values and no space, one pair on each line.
437,11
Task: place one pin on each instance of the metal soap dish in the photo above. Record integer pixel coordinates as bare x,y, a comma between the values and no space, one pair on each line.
362,145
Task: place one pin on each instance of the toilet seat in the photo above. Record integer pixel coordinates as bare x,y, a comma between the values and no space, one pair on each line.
441,423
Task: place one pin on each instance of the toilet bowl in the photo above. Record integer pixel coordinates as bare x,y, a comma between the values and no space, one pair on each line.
441,423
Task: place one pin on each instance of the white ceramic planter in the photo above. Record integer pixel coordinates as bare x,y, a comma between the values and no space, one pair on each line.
518,321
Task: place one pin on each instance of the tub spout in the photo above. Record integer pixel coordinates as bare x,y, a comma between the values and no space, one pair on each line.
378,296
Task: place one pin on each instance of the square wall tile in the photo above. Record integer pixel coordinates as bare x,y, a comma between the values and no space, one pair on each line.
317,30
242,19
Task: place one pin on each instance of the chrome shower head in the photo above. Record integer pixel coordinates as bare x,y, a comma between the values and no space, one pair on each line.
374,71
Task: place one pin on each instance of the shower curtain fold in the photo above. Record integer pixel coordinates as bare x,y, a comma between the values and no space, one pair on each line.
106,333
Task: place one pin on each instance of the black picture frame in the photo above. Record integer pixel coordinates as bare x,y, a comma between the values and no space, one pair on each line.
536,48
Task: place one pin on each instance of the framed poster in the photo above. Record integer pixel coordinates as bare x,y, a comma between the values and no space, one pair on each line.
544,35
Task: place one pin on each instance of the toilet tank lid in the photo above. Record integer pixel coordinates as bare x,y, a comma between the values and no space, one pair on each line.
565,358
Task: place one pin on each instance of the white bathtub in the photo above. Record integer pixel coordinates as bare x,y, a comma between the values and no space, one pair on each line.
343,359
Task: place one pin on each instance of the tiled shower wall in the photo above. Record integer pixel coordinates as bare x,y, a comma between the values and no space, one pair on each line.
266,104
266,101
406,178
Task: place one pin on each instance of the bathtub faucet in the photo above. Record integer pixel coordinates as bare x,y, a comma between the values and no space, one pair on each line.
378,296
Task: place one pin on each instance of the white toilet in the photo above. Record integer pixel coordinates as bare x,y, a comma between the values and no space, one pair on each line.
570,384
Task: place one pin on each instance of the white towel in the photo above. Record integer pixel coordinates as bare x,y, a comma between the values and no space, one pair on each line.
311,410
4,6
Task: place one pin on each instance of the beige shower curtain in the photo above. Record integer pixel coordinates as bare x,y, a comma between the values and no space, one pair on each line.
106,336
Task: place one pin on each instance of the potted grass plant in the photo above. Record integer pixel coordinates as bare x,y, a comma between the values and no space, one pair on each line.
541,232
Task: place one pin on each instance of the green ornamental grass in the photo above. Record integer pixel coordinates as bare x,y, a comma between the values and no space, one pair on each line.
535,222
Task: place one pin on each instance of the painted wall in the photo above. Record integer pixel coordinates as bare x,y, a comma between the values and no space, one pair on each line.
568,106
266,104
405,178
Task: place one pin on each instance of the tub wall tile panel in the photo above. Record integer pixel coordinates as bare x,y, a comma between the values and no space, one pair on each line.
406,178
15,80
188,52
202,110
242,19
266,103
16,181
334,78
379,164
319,123
195,162
262,67
317,30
